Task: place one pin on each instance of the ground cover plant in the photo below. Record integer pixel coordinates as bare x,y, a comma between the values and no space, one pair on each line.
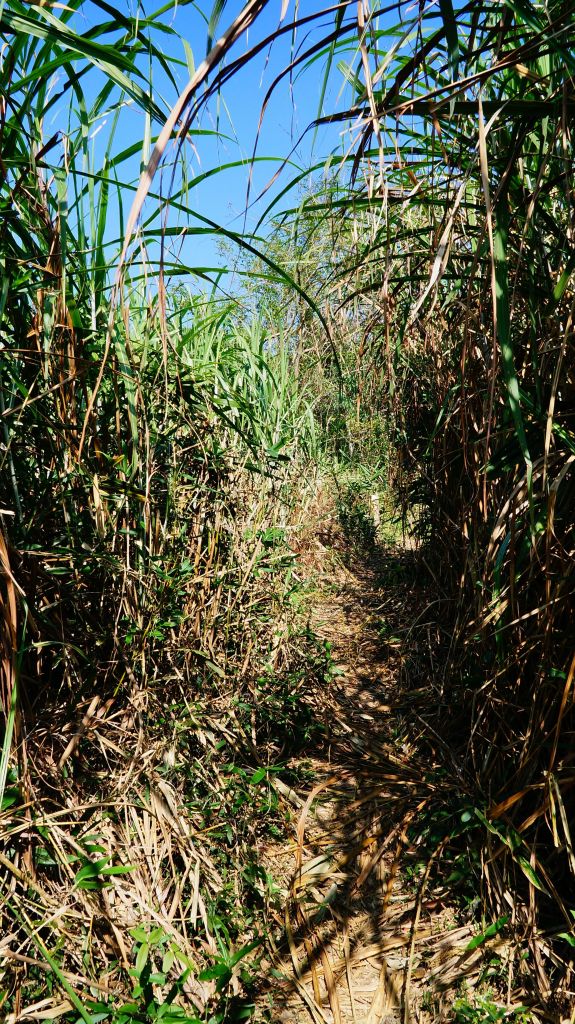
403,312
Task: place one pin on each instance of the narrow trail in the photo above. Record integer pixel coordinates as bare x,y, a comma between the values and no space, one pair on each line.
369,936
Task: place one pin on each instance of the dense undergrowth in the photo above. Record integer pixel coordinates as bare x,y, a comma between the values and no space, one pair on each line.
158,677
155,676
454,265
410,318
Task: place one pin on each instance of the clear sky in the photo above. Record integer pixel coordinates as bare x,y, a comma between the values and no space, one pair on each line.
231,119
292,107
227,127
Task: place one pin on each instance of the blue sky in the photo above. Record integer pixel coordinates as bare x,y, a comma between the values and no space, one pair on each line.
227,128
291,109
231,118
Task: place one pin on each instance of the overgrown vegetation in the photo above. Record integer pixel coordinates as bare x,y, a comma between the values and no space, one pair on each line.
407,322
155,681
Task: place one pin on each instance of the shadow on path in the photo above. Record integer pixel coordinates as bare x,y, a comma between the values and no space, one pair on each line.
368,935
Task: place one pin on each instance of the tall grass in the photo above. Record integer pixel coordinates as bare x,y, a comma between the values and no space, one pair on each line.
147,445
459,204
465,155
133,430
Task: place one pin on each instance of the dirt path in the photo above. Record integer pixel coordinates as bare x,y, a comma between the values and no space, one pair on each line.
368,935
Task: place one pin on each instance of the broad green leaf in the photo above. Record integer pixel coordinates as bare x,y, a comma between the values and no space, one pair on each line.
489,933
